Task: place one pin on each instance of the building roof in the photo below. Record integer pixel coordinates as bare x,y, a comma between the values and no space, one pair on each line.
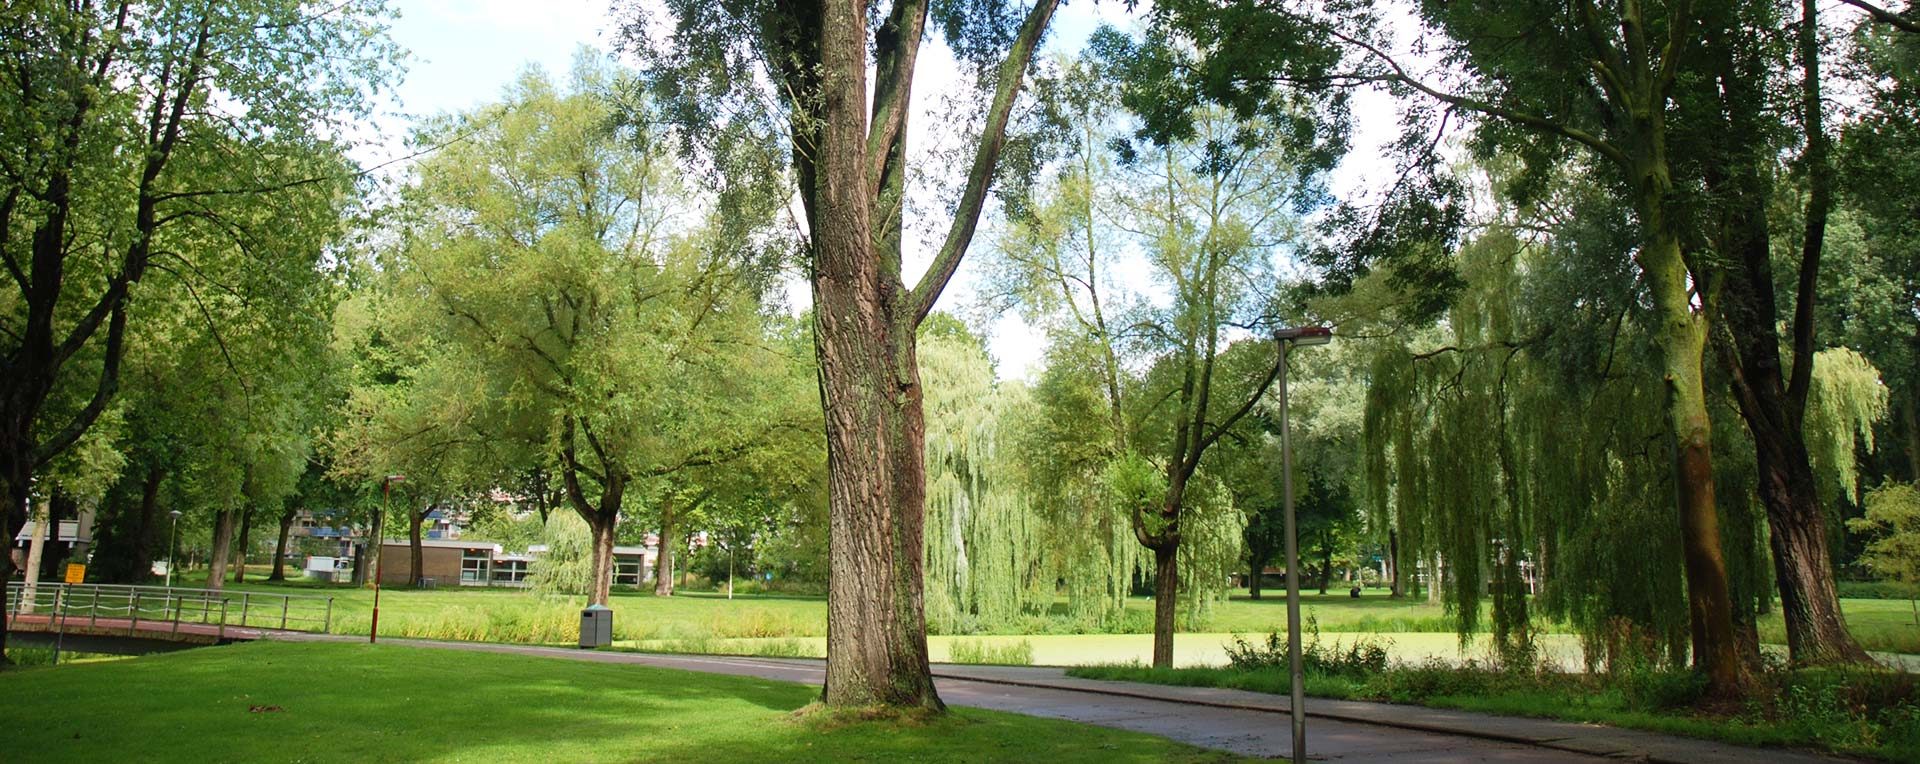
444,544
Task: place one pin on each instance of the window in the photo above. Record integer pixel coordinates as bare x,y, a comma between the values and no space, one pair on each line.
510,572
626,571
473,566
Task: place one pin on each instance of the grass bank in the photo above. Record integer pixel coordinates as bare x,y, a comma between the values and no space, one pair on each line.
329,702
1875,714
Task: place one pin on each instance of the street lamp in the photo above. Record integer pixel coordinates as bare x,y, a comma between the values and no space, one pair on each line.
1288,338
172,538
379,555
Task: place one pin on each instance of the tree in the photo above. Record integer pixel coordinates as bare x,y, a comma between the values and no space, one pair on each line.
849,162
144,136
563,286
1893,514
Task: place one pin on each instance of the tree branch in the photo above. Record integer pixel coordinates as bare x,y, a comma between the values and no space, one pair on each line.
986,156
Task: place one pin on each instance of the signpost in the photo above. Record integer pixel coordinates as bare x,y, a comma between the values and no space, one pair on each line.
76,573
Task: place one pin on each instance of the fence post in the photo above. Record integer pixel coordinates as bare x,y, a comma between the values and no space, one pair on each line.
221,633
245,603
93,608
179,604
134,612
326,627
284,602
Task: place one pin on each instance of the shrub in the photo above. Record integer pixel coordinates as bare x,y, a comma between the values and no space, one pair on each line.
1365,656
980,651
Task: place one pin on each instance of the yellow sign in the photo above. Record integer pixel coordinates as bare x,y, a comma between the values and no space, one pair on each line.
76,573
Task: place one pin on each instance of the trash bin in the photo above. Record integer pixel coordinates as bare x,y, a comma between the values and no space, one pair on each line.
596,626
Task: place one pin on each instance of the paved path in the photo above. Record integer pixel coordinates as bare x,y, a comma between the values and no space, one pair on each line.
1247,723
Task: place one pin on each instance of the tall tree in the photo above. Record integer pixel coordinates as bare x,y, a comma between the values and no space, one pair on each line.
135,135
849,160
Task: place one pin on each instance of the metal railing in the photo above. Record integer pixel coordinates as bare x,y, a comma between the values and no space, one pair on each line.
163,608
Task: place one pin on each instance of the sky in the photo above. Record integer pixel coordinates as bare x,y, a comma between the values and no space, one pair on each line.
463,53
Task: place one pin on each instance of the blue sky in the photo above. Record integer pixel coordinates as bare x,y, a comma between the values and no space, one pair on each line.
463,53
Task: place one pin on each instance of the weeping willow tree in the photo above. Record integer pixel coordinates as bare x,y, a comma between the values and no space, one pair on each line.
567,566
1525,434
986,563
1846,399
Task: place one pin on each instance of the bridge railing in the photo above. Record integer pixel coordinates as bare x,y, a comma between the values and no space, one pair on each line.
164,608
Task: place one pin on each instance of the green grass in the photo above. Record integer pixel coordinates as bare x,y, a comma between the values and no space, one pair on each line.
511,615
328,702
1882,625
1864,713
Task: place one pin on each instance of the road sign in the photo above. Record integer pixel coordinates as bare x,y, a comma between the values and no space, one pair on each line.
76,573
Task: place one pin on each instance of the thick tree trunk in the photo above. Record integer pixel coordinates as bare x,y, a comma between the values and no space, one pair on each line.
417,562
13,517
1326,564
864,322
222,549
143,527
1436,579
280,547
669,543
1772,405
240,550
602,585
1166,587
1256,568
1393,565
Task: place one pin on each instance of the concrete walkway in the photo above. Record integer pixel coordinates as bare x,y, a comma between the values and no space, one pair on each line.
1237,721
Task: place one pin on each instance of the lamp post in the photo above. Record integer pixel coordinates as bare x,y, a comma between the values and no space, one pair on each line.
380,555
1288,338
173,538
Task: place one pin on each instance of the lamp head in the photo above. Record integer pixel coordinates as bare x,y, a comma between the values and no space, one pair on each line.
175,514
1305,335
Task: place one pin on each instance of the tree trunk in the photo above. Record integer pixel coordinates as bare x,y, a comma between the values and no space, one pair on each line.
669,543
1773,406
280,547
603,537
417,557
1256,568
222,549
864,321
1166,585
53,562
1393,565
240,551
1436,579
376,538
13,517
1326,564
143,528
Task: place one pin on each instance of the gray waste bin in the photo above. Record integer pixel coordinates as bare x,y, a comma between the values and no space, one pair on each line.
596,626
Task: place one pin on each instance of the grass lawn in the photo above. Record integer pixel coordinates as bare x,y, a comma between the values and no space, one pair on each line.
312,702
1863,713
790,623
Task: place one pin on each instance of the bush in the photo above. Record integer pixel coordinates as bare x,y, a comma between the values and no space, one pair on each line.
1364,657
981,651
1873,590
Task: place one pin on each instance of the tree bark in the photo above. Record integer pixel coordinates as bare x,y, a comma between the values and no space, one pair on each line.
376,538
603,538
669,543
1256,567
1393,565
143,539
280,546
1772,404
222,549
417,556
1166,585
1326,563
240,550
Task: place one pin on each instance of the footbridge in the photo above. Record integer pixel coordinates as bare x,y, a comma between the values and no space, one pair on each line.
107,618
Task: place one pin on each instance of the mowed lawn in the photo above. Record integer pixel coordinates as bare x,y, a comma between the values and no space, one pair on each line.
506,615
328,702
